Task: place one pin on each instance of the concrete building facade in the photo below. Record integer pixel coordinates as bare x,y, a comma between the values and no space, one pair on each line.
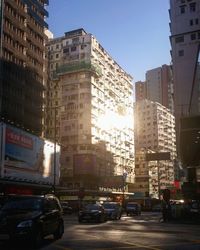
185,39
159,86
154,132
140,91
94,123
185,53
22,48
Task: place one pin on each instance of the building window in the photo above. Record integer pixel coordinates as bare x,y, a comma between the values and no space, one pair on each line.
179,39
57,46
193,36
192,7
182,9
73,48
66,50
57,55
191,22
75,40
181,53
196,21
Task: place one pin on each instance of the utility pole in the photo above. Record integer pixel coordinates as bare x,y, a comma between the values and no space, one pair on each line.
1,53
158,167
54,164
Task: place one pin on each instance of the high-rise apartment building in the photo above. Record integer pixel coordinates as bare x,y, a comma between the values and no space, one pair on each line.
159,86
90,100
22,47
185,38
155,132
140,91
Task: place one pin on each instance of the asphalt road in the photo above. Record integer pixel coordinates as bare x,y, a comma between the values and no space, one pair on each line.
138,232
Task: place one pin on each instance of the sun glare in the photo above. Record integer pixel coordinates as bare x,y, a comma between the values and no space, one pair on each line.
112,120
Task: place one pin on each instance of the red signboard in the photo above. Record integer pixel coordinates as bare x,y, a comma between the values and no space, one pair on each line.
177,184
18,139
18,190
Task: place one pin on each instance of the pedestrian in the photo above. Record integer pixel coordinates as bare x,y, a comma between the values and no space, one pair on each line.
166,210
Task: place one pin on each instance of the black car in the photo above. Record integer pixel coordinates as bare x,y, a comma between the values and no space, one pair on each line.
92,212
31,218
113,210
133,208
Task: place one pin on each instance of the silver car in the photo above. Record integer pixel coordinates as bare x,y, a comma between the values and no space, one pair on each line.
113,210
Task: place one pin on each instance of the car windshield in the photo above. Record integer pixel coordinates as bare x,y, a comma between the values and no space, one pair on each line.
91,207
23,204
64,203
132,205
110,205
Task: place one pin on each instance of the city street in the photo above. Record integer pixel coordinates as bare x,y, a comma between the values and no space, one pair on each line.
142,232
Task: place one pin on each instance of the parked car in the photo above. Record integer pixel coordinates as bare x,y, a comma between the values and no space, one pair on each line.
113,210
31,218
133,208
157,208
92,212
66,208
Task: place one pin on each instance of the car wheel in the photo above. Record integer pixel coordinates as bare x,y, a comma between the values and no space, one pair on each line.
37,239
59,231
117,217
101,219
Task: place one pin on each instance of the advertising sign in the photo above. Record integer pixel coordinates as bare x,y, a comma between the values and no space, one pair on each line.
112,181
158,156
84,164
29,157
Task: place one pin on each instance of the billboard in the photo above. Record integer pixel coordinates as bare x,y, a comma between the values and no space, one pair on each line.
158,156
28,157
84,164
112,181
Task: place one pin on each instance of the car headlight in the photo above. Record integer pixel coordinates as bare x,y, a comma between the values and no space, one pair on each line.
26,223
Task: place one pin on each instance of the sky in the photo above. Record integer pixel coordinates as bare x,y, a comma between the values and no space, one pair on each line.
134,33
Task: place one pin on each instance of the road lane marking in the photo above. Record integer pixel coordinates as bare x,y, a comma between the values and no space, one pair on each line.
141,246
62,247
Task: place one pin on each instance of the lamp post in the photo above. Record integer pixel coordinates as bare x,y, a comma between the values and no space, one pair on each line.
54,163
123,190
